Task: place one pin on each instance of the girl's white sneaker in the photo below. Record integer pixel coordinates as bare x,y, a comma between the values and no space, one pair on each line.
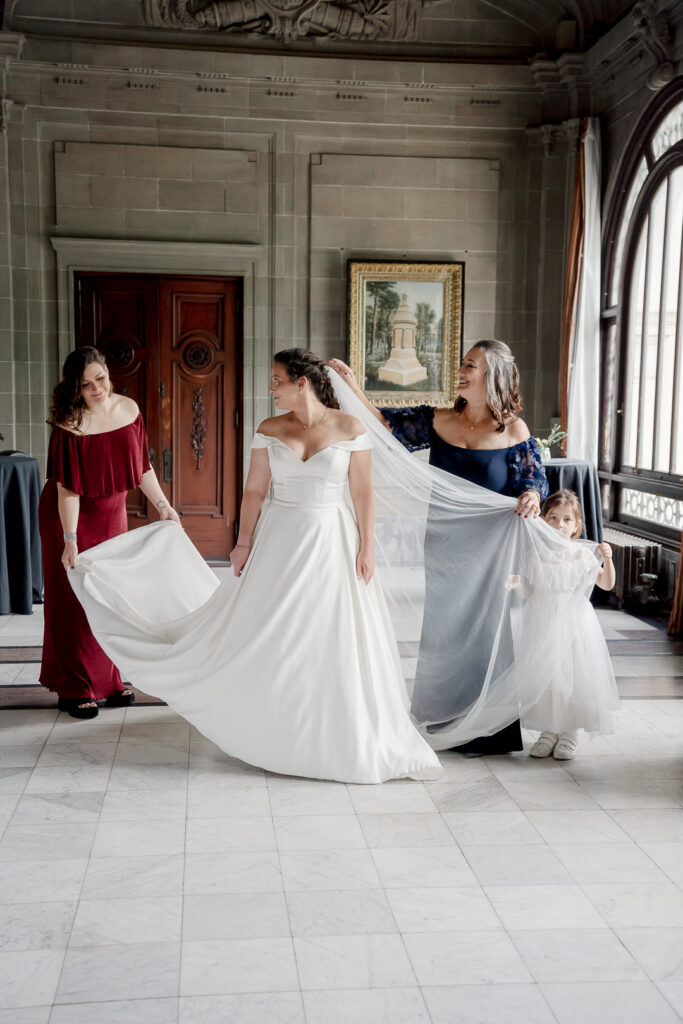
566,746
544,745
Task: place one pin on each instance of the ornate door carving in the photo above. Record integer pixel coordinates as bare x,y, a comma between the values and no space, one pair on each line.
174,346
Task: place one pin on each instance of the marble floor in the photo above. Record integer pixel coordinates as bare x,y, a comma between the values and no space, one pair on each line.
145,878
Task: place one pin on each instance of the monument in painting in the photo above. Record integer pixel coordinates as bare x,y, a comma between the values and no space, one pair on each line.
403,367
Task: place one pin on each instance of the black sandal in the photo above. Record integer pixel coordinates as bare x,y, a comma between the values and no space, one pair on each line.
120,699
72,706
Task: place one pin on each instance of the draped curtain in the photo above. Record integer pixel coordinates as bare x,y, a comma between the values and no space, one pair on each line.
580,372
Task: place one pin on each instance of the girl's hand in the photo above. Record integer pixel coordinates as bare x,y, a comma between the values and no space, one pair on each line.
167,511
529,505
605,550
513,582
70,554
365,565
238,558
345,372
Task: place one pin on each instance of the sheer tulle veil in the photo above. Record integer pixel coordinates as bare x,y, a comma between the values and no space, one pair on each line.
494,652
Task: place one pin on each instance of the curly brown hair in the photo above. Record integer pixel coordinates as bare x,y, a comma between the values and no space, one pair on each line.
68,405
299,362
502,382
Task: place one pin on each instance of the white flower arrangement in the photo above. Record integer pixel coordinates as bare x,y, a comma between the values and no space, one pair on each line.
556,435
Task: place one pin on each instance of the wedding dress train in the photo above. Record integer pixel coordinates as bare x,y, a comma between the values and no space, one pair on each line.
294,667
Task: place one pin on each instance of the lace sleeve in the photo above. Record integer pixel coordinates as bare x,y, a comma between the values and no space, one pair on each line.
525,470
411,426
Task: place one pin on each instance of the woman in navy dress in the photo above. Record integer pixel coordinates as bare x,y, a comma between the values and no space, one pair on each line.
481,439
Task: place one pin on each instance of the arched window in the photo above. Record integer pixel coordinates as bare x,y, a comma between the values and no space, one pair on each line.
642,428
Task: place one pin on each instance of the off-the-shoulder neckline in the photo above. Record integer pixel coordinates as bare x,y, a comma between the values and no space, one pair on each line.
100,433
333,444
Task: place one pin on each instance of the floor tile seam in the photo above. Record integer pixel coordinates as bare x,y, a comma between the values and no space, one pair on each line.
89,857
28,779
658,986
182,893
284,897
643,928
643,885
573,981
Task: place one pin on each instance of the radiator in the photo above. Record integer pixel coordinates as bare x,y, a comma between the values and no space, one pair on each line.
633,556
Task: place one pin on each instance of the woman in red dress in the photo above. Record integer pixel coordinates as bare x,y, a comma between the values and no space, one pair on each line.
98,452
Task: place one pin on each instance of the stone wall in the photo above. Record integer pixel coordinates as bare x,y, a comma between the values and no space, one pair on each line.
279,168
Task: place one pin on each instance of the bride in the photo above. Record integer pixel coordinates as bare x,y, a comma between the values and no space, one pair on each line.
295,667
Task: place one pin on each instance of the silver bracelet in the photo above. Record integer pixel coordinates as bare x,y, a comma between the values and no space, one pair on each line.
68,535
163,503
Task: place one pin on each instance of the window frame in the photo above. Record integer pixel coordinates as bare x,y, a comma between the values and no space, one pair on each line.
615,321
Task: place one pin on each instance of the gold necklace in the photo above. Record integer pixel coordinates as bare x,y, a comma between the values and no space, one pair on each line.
312,426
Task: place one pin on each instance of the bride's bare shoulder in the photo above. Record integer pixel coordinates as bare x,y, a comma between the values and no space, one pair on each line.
271,427
349,426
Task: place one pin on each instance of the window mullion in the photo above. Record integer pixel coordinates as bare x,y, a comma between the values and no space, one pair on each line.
662,318
676,419
643,341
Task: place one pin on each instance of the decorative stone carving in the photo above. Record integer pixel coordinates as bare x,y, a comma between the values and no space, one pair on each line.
7,105
293,20
649,32
655,34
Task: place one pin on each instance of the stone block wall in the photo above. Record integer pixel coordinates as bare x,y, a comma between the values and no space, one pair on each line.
292,164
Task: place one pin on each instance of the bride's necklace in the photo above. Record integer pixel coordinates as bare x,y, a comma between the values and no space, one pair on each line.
311,426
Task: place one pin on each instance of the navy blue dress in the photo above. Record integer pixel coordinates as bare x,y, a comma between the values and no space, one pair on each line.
510,471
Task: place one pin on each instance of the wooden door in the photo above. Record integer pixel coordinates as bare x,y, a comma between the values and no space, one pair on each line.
174,345
119,315
200,354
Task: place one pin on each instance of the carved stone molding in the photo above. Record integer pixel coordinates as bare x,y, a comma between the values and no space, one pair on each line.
655,34
7,105
550,134
645,32
12,45
292,20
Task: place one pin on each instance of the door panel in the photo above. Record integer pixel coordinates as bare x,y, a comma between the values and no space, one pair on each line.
199,320
174,345
119,315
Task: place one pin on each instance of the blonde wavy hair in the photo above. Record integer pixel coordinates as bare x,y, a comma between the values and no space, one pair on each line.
502,382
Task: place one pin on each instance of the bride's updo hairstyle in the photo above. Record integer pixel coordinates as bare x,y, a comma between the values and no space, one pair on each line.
299,362
68,405
502,382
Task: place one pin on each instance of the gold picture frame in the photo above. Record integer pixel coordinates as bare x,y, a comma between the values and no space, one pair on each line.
405,330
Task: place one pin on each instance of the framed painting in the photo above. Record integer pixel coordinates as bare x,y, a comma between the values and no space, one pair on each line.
405,330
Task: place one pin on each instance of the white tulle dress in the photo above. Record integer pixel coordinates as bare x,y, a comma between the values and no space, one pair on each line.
580,689
294,667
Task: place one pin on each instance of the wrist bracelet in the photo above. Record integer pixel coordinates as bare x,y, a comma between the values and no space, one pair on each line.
160,504
69,535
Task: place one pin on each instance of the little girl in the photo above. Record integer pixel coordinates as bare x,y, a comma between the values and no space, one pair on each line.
582,692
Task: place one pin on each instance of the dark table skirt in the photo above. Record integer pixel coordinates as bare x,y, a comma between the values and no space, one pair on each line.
21,567
582,478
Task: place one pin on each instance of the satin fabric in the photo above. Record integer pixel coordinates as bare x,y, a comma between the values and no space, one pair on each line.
293,667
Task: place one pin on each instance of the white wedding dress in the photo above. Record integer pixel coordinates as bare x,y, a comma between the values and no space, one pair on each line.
294,667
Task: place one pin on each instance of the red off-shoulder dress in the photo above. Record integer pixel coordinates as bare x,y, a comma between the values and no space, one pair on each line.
101,468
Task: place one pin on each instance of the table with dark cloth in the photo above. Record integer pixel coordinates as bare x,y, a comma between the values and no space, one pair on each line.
21,567
582,478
